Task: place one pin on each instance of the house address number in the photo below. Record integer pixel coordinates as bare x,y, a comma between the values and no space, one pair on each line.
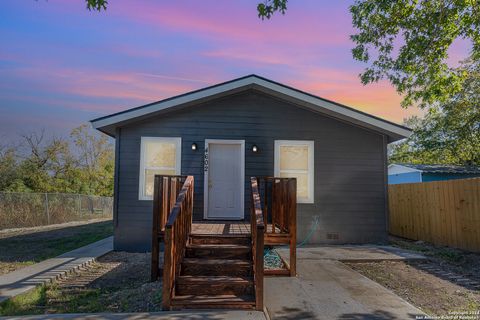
205,160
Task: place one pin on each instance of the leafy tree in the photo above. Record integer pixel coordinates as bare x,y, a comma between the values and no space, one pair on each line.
448,134
83,165
96,159
42,161
98,5
8,167
265,9
407,42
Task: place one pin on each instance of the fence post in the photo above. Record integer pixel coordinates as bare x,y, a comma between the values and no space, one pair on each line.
79,205
46,208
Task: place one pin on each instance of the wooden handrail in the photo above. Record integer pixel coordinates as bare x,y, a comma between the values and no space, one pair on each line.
165,193
177,232
257,228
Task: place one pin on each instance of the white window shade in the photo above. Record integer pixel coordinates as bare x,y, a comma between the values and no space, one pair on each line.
158,155
295,159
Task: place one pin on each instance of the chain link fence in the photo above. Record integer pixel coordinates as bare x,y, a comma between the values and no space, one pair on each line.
20,210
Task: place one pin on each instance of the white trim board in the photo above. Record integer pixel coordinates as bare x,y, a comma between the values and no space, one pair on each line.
311,164
314,103
178,161
242,177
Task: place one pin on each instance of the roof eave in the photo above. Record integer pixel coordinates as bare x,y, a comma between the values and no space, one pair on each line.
394,131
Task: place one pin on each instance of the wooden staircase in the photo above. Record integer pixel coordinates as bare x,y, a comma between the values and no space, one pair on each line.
216,272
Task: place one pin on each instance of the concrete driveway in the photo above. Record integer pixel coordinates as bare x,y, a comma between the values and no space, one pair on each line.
163,315
325,288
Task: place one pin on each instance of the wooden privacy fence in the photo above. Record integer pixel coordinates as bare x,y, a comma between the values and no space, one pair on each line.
440,212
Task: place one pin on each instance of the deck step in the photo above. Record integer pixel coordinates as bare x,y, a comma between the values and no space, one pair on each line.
216,273
220,239
227,301
225,251
214,285
216,267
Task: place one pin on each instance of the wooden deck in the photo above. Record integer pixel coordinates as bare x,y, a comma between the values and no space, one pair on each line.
221,227
225,228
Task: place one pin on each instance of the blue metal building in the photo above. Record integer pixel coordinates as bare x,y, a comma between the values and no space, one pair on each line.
410,173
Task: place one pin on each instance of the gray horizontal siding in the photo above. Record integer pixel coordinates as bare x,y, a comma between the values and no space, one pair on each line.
349,165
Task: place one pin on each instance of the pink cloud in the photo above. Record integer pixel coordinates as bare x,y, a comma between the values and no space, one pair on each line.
264,54
130,87
258,58
230,21
134,86
132,51
5,56
139,88
378,99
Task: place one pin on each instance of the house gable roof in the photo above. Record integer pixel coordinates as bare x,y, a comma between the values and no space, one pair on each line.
442,168
394,169
107,124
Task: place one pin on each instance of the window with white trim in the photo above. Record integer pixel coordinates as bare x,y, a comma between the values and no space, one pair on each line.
158,155
294,159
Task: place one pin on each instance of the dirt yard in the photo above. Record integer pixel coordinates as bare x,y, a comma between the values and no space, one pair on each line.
448,281
117,282
26,246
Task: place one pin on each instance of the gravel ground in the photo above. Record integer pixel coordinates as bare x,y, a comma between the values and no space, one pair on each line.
116,282
122,281
272,260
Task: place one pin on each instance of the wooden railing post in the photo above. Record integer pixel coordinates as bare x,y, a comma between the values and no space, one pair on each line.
292,224
156,226
264,181
165,201
167,269
275,208
257,230
259,265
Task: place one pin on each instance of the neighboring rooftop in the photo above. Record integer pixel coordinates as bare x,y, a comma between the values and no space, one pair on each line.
442,168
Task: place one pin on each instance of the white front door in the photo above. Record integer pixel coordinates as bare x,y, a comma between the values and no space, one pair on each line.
224,179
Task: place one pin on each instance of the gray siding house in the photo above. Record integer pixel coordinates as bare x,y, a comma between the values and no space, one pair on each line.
252,126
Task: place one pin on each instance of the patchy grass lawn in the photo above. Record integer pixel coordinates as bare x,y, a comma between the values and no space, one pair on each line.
117,282
20,248
448,281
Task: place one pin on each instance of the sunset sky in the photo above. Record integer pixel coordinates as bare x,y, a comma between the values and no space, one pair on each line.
62,65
